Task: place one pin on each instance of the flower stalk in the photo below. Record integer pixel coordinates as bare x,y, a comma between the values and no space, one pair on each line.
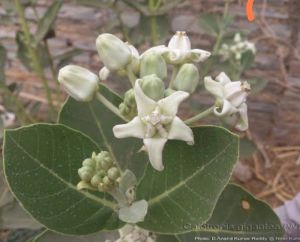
199,116
38,68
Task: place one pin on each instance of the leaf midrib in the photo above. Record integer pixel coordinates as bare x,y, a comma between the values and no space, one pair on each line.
166,193
70,185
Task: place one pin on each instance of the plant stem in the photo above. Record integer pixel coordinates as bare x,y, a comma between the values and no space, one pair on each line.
153,21
219,39
200,116
38,68
110,106
221,33
115,7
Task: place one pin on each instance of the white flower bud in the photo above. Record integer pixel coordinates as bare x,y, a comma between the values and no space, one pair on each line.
187,78
114,53
153,63
80,83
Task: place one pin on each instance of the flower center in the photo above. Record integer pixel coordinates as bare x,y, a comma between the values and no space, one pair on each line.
156,123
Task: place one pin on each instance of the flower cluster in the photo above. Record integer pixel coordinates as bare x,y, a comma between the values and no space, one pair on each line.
99,173
237,48
150,108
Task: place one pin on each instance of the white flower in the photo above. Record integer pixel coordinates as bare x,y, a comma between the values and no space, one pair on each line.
179,50
156,123
79,82
230,98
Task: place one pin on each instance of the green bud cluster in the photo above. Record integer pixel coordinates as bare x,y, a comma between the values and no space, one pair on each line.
100,172
128,108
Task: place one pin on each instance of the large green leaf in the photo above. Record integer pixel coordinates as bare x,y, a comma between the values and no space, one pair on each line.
194,177
96,121
46,22
41,163
238,216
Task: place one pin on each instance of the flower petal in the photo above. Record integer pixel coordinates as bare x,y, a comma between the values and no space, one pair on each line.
134,128
160,49
227,109
198,55
180,131
155,148
134,213
232,88
215,88
238,99
180,41
174,56
223,78
242,124
145,105
170,104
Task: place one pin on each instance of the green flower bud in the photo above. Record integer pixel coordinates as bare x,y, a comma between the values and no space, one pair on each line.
153,63
86,173
89,162
153,87
80,83
114,53
113,173
187,78
96,179
106,180
105,165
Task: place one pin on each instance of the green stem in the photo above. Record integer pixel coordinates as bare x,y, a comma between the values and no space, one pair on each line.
154,36
115,7
153,21
221,33
38,68
200,115
110,106
219,39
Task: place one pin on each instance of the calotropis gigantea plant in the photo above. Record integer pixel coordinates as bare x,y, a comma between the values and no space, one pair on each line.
134,163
